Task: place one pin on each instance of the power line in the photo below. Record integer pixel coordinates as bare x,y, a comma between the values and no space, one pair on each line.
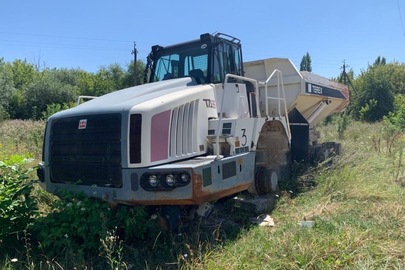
74,47
54,45
400,17
66,37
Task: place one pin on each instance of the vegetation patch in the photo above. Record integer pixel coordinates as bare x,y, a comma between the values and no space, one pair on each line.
347,212
354,204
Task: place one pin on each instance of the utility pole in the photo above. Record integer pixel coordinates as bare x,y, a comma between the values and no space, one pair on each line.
135,53
346,79
344,72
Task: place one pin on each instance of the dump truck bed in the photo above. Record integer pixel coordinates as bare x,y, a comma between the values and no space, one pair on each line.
314,96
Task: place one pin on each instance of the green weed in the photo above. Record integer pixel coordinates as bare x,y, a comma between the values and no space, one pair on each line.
357,207
355,203
17,208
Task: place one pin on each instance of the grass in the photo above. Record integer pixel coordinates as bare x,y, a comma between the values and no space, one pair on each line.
21,137
357,205
358,208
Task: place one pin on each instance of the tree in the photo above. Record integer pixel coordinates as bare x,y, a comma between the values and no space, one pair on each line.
376,88
129,76
56,86
306,63
23,74
103,83
86,83
48,90
380,61
28,90
6,89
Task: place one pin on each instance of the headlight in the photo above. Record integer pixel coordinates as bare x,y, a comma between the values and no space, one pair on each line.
164,180
184,177
170,181
152,180
41,173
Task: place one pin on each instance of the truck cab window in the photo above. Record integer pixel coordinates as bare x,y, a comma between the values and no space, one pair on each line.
226,59
190,61
167,67
196,67
207,60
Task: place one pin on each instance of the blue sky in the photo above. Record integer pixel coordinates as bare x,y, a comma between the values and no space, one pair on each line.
91,34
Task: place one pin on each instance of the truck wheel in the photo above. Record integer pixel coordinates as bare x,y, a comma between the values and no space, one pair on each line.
266,181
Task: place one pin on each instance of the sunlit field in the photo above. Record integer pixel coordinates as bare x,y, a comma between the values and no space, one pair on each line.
345,213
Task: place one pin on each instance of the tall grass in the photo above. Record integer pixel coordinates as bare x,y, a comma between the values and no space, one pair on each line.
356,204
358,209
21,137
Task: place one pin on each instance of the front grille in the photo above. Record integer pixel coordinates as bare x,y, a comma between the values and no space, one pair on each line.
86,150
183,131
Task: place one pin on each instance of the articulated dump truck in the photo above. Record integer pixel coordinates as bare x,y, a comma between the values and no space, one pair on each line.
204,127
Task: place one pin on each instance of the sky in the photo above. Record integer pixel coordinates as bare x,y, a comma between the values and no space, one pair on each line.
90,34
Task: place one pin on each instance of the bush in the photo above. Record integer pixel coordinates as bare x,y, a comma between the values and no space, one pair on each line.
17,208
397,117
376,88
343,123
56,107
78,223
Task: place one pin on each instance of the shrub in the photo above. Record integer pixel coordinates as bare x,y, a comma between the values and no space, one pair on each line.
56,107
376,89
78,223
17,208
397,117
343,123
368,110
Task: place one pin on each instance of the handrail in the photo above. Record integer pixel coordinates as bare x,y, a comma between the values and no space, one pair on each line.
222,103
245,79
82,97
281,96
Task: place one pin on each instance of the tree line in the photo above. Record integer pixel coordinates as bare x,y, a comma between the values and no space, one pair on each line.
377,93
28,92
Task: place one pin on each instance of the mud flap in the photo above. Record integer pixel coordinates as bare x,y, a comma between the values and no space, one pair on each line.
299,136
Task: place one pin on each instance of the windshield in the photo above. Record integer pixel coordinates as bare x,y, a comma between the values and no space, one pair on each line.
183,62
227,60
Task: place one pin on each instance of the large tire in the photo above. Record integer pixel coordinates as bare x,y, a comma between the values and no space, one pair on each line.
266,181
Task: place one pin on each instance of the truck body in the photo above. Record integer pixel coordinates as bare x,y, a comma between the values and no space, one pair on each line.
206,126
